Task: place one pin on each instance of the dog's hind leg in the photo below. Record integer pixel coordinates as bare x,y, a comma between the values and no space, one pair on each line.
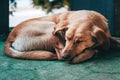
35,54
38,55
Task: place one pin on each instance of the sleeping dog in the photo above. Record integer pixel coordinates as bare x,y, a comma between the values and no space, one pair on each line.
73,35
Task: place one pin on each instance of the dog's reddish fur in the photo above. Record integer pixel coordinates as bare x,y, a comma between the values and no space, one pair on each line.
78,31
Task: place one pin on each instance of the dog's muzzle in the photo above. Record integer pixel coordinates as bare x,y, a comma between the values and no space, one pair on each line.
66,57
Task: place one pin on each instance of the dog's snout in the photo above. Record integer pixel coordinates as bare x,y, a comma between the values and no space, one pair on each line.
66,54
66,57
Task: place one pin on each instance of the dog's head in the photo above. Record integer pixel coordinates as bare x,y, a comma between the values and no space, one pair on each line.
80,37
90,30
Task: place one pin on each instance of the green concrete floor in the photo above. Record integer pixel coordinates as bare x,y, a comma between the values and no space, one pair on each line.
105,67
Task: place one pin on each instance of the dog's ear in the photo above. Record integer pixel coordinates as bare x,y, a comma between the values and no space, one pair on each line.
102,40
60,28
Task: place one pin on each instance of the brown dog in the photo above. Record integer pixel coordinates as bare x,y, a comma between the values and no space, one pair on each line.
84,31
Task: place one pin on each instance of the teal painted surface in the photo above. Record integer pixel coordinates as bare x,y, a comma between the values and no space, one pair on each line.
105,67
4,16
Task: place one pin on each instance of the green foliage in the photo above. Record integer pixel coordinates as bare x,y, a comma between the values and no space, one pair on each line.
49,5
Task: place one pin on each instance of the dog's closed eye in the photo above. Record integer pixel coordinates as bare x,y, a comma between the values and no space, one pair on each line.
78,41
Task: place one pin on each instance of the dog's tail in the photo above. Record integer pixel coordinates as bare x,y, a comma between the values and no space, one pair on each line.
41,55
114,44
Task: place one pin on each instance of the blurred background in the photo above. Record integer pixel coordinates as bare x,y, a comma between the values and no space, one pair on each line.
20,10
15,11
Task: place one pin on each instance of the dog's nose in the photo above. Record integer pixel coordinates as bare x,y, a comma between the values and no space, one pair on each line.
66,57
